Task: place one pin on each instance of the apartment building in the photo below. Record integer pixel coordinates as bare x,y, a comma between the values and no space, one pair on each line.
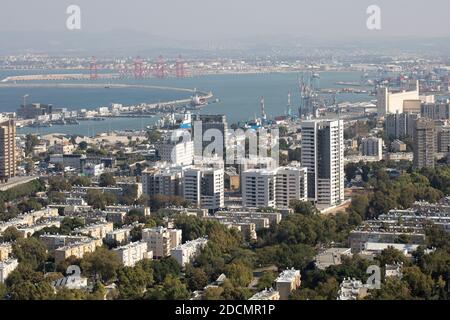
54,241
132,253
121,235
205,126
258,188
8,156
175,150
187,252
29,219
77,249
204,187
424,143
323,155
358,238
288,281
165,180
400,125
291,184
351,289
161,240
372,147
97,231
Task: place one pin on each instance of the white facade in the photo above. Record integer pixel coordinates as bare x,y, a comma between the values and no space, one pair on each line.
161,240
392,102
6,267
187,252
323,155
258,188
132,253
94,170
167,181
288,281
177,153
291,184
204,187
273,188
373,147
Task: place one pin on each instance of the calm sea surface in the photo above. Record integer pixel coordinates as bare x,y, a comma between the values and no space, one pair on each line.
239,96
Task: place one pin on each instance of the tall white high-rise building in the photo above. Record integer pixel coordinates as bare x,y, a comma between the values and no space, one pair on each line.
204,187
323,155
8,156
273,187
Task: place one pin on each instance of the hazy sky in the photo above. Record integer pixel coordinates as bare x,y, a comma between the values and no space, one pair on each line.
214,19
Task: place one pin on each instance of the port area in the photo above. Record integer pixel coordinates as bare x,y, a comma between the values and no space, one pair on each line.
197,100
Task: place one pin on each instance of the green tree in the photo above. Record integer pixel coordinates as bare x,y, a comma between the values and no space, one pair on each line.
83,145
303,207
421,285
239,274
32,291
31,141
266,281
107,180
213,293
10,234
174,289
59,184
102,264
197,279
70,294
80,181
69,224
392,289
164,267
133,281
392,256
3,291
30,251
100,200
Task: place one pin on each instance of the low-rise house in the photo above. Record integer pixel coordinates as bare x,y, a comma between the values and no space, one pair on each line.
187,252
288,281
